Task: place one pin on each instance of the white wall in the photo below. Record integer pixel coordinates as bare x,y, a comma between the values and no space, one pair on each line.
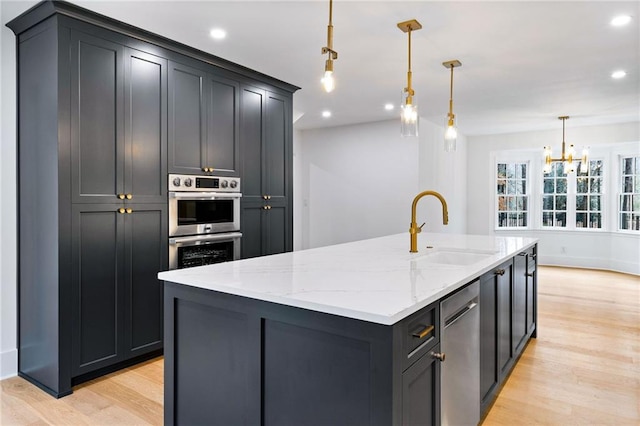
356,182
598,250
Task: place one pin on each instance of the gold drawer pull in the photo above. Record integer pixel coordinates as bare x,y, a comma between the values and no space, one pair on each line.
121,210
420,334
121,196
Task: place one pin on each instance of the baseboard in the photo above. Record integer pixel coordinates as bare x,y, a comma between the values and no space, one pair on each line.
590,263
8,364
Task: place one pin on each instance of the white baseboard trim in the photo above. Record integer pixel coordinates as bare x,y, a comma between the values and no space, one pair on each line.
590,263
8,364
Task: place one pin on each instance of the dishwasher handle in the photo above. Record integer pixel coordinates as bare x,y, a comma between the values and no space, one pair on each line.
462,312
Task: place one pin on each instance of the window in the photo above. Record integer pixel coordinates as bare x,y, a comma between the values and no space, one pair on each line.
630,194
511,195
589,196
554,197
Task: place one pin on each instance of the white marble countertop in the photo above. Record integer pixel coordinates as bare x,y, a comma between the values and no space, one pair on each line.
375,280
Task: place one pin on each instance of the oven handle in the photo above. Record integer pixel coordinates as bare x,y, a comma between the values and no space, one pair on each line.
205,195
204,238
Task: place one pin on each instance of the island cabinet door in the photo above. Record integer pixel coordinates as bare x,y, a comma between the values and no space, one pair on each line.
519,314
504,277
495,330
421,391
531,293
488,339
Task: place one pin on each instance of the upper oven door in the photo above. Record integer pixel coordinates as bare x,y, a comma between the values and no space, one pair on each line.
192,213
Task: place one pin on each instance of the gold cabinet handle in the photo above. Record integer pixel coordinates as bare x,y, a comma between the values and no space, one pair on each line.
264,197
268,207
500,272
268,197
129,211
420,334
440,356
205,169
129,196
121,196
265,207
121,210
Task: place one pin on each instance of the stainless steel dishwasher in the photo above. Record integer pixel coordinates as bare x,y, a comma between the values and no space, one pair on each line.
460,342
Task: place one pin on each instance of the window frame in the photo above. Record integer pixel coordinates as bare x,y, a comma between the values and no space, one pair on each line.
572,194
527,194
620,191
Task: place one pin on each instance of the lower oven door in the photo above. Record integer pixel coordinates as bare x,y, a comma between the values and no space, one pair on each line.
198,250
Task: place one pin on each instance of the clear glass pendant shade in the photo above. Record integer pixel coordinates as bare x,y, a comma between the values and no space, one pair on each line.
450,136
408,116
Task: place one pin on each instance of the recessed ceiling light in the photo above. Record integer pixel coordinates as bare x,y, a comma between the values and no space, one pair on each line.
388,107
218,33
621,20
618,74
326,114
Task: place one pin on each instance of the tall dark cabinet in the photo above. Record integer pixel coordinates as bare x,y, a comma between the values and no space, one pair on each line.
105,112
266,171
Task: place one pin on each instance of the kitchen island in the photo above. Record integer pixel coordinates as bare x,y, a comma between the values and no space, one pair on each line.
345,334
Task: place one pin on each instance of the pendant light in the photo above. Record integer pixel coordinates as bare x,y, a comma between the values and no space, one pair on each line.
408,108
567,155
328,82
451,132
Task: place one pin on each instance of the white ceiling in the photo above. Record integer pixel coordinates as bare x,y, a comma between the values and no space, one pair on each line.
523,62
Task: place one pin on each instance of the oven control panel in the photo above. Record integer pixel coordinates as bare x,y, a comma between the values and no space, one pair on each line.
195,183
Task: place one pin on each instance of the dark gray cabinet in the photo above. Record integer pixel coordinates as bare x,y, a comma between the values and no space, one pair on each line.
266,137
507,321
519,316
118,116
495,330
421,391
104,111
203,122
243,361
117,299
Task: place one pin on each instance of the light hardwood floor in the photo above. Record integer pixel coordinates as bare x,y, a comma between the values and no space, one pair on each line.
584,367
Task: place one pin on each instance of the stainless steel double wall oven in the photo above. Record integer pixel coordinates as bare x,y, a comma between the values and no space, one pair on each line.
204,220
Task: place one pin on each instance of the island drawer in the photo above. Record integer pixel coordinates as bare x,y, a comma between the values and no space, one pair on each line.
420,333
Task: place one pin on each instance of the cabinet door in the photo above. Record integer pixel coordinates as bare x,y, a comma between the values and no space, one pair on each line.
421,392
277,173
504,288
277,150
145,127
251,228
97,286
187,119
251,137
97,138
488,338
146,254
223,110
519,313
253,197
531,293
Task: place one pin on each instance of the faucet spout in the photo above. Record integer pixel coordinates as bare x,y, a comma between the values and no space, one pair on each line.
414,229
